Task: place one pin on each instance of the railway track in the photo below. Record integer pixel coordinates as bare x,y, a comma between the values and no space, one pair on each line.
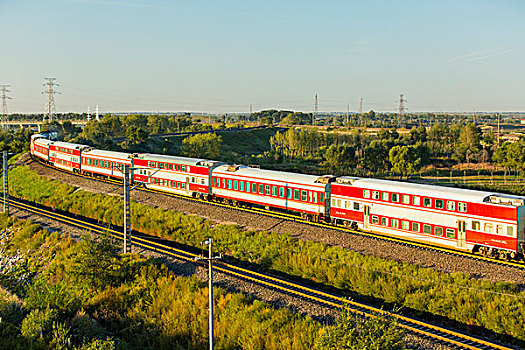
438,333
297,219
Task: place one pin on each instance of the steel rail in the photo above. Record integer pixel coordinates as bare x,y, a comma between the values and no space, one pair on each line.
433,331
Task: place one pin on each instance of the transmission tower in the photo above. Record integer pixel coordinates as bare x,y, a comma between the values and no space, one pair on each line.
316,109
50,107
402,108
4,98
361,106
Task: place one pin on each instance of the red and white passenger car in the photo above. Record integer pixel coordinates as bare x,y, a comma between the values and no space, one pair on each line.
458,218
66,155
106,163
185,176
295,192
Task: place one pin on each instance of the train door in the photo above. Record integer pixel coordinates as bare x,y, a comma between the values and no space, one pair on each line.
187,184
366,217
462,229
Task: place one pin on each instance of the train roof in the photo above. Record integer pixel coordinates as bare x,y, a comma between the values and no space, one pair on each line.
434,191
69,145
274,175
175,159
43,141
102,153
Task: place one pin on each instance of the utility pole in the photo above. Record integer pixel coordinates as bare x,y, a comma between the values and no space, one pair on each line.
88,114
4,98
50,107
498,127
210,259
127,211
6,183
347,112
316,109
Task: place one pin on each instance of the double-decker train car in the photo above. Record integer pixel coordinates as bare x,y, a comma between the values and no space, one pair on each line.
40,147
300,193
458,218
185,176
66,155
105,163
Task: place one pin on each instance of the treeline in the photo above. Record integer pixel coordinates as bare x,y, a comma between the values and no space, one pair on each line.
455,296
357,152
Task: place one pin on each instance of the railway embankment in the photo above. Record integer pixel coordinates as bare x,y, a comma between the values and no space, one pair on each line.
456,296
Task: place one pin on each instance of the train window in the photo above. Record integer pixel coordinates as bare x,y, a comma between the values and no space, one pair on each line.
339,203
321,197
183,185
375,194
366,194
451,205
177,167
427,229
356,205
404,225
304,197
499,229
438,231
439,204
173,184
309,196
274,191
384,221
267,190
462,207
395,197
178,184
161,165
476,225
427,202
193,180
254,187
348,204
202,181
395,223
248,186
223,183
261,189
415,226
405,199
489,228
241,186
451,233
281,192
229,184
235,184
295,194
375,219
334,202
510,231
183,168
416,200
385,196
315,197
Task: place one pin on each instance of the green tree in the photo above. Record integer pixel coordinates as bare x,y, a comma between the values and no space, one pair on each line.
340,158
355,332
207,145
136,135
405,160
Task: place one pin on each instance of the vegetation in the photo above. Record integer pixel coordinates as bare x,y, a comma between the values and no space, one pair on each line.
499,307
129,303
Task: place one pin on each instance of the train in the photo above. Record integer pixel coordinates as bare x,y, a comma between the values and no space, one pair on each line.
487,223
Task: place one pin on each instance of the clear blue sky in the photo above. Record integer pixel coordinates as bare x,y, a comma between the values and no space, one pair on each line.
222,56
